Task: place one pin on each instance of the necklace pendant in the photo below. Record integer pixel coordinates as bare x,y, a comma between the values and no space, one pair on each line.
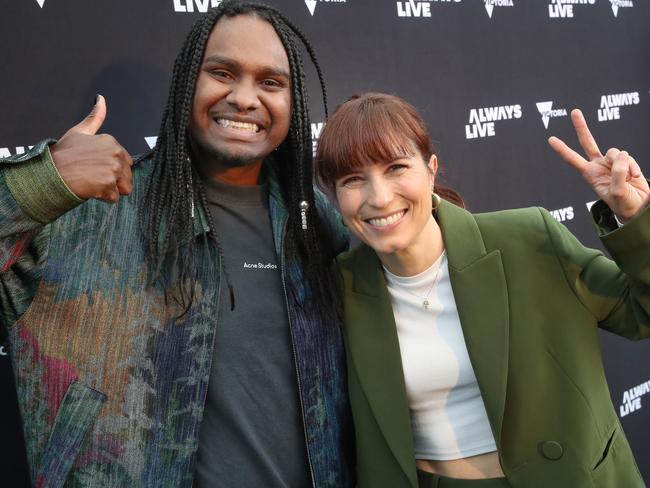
425,304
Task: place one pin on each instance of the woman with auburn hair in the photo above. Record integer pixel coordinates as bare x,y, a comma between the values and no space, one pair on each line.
473,353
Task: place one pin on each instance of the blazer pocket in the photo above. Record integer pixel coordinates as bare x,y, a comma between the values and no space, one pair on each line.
605,456
76,415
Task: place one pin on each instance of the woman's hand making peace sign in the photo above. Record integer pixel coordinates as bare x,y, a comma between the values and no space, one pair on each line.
615,176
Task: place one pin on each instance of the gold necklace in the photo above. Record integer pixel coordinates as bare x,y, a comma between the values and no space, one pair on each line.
425,299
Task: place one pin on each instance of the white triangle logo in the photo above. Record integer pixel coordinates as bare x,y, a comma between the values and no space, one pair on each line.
40,3
489,7
615,7
151,141
311,5
544,109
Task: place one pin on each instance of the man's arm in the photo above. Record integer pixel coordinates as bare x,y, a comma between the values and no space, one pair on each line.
39,186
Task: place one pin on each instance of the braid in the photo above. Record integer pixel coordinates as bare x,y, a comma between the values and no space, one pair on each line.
168,221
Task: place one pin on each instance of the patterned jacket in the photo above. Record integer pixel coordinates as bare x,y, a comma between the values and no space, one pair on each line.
111,383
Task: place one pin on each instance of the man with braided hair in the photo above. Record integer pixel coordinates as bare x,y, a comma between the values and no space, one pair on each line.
171,320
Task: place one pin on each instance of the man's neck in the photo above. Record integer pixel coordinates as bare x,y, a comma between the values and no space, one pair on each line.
242,176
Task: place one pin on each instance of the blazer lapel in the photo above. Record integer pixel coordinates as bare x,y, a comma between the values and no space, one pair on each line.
479,285
374,349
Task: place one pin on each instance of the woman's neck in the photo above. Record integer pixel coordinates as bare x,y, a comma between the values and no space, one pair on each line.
419,255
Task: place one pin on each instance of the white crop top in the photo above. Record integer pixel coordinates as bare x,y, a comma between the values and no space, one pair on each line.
448,417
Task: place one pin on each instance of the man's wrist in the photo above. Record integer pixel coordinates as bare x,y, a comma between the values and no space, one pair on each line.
39,189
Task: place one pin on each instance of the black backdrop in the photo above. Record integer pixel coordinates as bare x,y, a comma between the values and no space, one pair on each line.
457,60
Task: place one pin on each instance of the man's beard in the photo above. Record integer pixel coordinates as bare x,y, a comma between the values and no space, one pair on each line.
211,158
214,158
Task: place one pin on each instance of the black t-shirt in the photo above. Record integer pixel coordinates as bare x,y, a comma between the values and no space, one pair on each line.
252,432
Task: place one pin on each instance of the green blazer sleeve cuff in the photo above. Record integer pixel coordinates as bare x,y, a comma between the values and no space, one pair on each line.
37,186
628,244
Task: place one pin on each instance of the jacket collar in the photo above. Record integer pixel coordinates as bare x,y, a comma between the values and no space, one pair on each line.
479,286
278,211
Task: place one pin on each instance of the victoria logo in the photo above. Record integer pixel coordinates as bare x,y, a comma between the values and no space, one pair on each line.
482,120
311,4
490,4
151,141
563,9
616,4
610,105
546,111
195,5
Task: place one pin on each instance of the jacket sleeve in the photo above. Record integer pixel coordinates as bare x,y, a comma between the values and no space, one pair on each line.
333,223
616,292
32,194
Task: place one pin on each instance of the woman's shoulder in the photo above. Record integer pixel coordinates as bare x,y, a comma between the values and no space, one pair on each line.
524,219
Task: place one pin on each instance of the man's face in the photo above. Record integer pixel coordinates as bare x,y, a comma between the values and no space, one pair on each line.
242,102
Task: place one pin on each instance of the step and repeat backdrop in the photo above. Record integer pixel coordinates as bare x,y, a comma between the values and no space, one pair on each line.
493,79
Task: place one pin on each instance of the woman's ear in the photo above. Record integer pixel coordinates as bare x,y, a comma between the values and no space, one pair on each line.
433,165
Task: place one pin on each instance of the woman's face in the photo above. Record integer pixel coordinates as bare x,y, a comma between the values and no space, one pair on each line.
388,205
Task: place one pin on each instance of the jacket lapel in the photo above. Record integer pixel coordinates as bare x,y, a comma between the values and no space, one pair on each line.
374,350
479,285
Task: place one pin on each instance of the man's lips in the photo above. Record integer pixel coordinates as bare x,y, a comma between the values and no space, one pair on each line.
386,220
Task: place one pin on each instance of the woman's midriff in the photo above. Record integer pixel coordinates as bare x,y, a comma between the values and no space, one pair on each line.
472,468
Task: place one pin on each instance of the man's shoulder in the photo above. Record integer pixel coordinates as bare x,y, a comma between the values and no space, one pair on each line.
333,222
143,165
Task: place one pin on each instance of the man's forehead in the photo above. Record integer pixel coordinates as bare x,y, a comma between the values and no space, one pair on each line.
247,38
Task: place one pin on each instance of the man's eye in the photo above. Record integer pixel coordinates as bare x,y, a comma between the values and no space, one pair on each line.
272,83
219,73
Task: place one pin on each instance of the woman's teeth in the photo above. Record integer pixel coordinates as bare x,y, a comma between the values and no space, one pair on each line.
384,221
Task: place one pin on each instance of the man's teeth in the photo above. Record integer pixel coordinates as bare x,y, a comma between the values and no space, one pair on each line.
384,221
238,125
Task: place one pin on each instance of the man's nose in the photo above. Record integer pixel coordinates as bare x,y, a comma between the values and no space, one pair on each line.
244,96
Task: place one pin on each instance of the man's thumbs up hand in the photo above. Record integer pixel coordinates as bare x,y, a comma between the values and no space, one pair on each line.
93,166
94,120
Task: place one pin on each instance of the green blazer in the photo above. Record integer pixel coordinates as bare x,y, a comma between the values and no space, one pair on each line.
530,299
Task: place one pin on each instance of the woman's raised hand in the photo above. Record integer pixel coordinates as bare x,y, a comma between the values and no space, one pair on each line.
615,177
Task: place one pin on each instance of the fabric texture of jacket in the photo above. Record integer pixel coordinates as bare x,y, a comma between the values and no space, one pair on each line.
111,382
530,299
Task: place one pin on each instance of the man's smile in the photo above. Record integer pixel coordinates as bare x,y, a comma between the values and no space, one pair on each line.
238,125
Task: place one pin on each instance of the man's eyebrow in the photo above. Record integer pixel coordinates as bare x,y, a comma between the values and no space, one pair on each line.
215,58
276,71
231,63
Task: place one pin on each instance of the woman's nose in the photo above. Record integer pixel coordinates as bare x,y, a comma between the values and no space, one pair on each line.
380,193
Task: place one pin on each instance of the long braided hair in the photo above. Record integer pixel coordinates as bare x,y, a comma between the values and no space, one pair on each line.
170,209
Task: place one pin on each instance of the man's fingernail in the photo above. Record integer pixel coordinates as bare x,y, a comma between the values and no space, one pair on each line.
95,101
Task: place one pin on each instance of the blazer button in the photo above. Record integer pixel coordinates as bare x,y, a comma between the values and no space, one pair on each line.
552,450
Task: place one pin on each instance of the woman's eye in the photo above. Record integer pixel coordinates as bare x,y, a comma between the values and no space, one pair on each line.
350,181
396,168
